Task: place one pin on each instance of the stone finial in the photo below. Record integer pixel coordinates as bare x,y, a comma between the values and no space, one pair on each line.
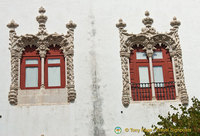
12,25
175,23
41,18
71,25
121,24
147,21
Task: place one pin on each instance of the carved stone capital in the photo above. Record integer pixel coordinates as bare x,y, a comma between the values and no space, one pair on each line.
125,54
149,53
42,53
172,52
70,52
43,48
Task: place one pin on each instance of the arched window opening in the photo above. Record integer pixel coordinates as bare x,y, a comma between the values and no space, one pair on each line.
163,74
151,63
30,77
54,68
140,75
38,74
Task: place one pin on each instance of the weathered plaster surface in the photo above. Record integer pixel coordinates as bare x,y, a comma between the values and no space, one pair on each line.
97,118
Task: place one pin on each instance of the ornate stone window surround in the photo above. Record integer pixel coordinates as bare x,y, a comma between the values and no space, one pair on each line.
148,39
42,40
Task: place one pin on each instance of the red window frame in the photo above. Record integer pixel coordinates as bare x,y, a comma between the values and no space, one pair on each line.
139,93
55,53
166,64
29,53
167,92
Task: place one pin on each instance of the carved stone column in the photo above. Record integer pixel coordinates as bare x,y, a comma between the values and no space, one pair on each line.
124,54
42,51
12,97
42,43
178,62
150,54
69,62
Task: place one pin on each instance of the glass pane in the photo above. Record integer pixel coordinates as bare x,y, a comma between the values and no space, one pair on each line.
31,61
31,77
53,61
141,55
157,55
53,76
144,74
158,76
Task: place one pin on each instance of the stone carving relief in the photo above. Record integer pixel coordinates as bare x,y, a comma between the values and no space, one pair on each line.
42,40
148,39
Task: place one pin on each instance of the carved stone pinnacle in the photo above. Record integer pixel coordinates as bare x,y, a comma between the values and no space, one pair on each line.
12,25
121,24
41,18
71,25
147,21
175,23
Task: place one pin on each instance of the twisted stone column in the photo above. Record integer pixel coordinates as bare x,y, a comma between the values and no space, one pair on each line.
178,62
125,55
12,97
69,53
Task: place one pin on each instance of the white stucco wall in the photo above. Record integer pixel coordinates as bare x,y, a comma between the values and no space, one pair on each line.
98,79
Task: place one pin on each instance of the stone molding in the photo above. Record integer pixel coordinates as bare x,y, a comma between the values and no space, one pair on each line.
42,40
148,39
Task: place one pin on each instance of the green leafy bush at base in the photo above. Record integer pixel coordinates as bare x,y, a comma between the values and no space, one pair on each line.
183,123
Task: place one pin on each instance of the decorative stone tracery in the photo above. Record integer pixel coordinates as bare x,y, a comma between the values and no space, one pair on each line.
148,39
42,40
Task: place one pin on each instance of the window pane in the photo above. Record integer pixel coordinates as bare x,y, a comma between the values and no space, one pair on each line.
144,74
141,55
158,76
31,77
157,55
53,61
53,76
31,61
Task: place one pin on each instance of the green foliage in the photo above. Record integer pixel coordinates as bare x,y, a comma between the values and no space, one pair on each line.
183,123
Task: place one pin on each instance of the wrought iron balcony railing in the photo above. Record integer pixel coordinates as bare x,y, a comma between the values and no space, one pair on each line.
163,91
141,91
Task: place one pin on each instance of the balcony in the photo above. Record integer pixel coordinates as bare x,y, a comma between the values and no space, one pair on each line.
141,91
163,91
